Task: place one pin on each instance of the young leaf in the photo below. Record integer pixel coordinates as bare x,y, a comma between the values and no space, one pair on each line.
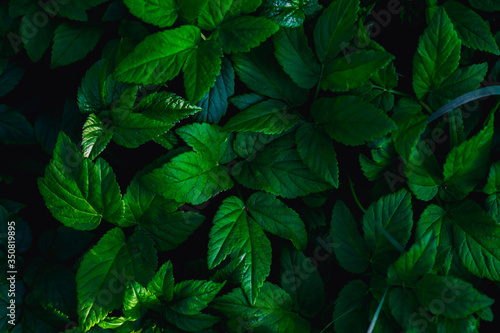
318,153
306,289
161,13
350,120
277,218
437,55
192,296
162,284
475,236
472,30
353,70
245,32
234,232
296,57
72,43
269,117
335,28
159,57
387,227
467,164
459,298
79,192
418,261
214,104
271,312
289,13
280,172
263,75
201,69
137,300
95,137
351,253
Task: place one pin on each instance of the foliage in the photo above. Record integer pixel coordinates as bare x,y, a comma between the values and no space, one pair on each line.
259,140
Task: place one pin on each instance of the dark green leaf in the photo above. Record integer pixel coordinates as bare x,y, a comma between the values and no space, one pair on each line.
437,54
296,57
161,13
72,43
192,296
351,308
35,43
289,13
14,127
10,78
351,121
245,32
190,9
351,250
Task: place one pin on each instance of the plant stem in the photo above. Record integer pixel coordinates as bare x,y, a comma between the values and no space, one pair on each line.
426,107
319,81
354,194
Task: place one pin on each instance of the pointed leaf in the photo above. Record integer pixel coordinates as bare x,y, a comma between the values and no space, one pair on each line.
137,300
277,218
350,120
14,127
72,43
159,57
192,296
352,308
245,32
335,28
437,54
162,284
201,69
161,13
95,137
213,14
352,252
289,13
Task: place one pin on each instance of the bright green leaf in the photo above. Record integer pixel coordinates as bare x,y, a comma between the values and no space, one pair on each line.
213,14
289,13
192,296
95,137
137,300
162,284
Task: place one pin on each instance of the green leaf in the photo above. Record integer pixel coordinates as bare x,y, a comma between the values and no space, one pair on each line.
475,237
79,192
245,32
387,226
192,296
467,164
95,137
159,57
351,251
335,28
191,323
14,127
353,70
318,152
493,184
165,107
162,284
459,298
161,13
411,123
471,29
289,13
351,308
437,55
432,221
98,90
73,43
35,45
461,81
404,307
423,172
417,262
214,104
296,57
106,270
235,233
277,218
306,289
488,6
137,300
270,117
195,176
351,121
134,129
201,69
190,9
280,172
10,78
213,14
271,312
264,75
169,229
